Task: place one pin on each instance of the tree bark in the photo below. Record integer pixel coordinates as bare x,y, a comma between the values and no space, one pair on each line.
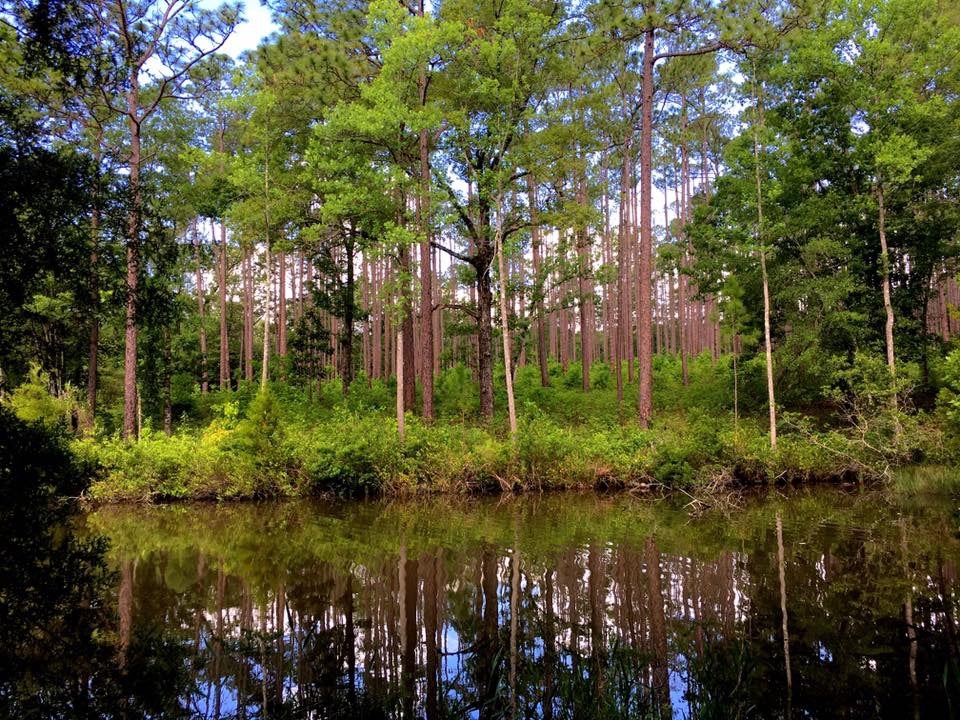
585,291
133,264
346,334
248,313
426,266
167,403
539,282
94,343
623,291
401,405
505,324
409,379
768,349
265,363
885,270
644,317
201,310
282,305
224,328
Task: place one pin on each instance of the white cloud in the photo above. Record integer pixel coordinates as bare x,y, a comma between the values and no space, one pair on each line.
255,27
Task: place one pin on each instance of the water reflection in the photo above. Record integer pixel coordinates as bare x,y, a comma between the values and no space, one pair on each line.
59,650
558,607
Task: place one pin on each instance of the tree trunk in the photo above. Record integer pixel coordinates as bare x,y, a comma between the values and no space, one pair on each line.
771,399
409,379
401,405
644,318
885,270
539,282
682,293
265,364
224,333
426,266
94,343
504,323
133,266
585,291
346,334
167,403
282,306
426,282
623,292
201,310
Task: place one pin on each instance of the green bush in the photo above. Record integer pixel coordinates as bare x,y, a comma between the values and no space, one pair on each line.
456,393
33,402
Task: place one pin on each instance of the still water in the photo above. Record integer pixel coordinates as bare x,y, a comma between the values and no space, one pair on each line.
814,604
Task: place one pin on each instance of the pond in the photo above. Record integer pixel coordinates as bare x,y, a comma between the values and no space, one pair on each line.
808,604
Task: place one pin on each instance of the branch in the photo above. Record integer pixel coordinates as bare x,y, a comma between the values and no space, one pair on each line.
464,215
454,253
457,306
702,50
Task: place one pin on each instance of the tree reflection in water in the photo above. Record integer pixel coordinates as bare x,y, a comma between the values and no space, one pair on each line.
63,652
566,606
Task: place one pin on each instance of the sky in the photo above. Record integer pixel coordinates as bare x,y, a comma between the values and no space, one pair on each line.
256,26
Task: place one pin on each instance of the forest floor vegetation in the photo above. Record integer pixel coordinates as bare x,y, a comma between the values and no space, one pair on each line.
287,442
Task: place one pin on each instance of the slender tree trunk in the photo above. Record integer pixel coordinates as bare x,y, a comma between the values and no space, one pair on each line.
247,272
378,328
167,401
485,337
504,322
346,334
222,293
644,319
94,343
736,384
885,269
282,306
539,282
201,310
623,292
265,363
771,399
607,309
585,302
426,266
682,291
401,405
133,265
410,377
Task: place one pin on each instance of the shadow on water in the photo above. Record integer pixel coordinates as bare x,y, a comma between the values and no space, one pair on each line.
554,607
64,653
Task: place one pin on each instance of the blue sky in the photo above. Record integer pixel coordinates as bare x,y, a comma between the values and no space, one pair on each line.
256,26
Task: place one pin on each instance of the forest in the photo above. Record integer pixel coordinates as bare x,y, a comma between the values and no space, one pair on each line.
483,245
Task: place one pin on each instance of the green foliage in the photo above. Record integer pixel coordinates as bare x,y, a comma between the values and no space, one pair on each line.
34,403
601,377
456,392
573,377
948,401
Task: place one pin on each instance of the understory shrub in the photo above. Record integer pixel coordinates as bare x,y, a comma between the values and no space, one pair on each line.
281,444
